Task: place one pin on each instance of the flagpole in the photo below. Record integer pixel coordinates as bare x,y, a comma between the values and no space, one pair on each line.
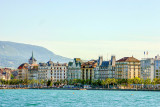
144,54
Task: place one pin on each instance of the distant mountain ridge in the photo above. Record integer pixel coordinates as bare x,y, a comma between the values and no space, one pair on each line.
13,54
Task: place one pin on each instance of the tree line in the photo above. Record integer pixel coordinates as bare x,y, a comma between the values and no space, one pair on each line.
94,83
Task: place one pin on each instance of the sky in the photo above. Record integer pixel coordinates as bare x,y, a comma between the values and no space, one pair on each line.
84,28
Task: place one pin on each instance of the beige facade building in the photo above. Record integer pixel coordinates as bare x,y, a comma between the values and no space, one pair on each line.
5,73
127,68
28,71
88,70
23,71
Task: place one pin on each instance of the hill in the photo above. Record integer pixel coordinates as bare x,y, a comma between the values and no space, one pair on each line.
13,54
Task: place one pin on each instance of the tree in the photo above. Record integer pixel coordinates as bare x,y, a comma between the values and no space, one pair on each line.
0,82
158,81
42,82
32,82
36,82
87,81
129,82
147,81
51,84
113,81
45,82
108,82
136,81
98,82
103,83
48,83
12,77
154,82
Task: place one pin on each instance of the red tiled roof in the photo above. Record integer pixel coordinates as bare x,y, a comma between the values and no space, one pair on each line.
89,63
23,66
128,59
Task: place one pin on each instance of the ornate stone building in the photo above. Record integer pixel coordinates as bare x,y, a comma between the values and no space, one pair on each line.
106,69
74,69
52,71
88,70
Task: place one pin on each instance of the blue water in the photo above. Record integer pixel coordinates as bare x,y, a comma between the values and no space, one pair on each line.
78,98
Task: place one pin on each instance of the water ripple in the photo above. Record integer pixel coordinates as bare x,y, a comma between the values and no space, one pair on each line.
77,98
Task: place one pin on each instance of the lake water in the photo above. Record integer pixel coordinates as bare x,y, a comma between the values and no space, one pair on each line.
78,98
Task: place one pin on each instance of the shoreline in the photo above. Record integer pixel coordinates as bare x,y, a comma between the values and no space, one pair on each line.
81,89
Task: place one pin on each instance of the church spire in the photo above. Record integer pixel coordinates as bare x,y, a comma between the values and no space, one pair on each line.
32,54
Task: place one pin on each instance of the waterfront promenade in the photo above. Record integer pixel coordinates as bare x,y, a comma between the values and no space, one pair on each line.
111,89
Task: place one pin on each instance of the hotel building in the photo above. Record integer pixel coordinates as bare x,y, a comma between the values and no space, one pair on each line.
88,70
74,69
23,71
127,68
157,66
106,69
147,68
52,71
150,68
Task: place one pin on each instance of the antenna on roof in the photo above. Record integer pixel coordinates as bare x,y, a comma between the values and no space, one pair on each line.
107,56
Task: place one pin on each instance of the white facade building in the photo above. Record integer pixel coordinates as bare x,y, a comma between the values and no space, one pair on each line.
52,71
74,69
147,68
150,68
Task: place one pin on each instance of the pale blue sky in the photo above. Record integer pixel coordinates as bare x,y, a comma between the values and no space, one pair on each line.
84,28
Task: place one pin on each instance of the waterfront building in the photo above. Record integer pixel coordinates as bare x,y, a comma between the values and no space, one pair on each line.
32,68
96,69
157,66
106,69
147,68
88,70
111,67
33,71
127,68
28,71
100,60
74,69
5,73
23,71
52,71
42,71
150,68
103,71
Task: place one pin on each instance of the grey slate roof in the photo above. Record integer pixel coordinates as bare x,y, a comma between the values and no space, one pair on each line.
105,64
